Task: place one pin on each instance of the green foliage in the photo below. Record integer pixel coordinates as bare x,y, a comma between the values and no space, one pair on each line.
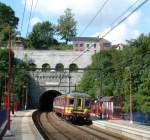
20,76
8,23
7,16
4,59
67,26
62,47
42,36
117,70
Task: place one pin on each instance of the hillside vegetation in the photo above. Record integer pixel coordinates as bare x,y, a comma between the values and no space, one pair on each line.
118,70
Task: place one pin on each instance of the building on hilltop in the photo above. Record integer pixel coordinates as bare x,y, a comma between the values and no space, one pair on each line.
91,43
119,46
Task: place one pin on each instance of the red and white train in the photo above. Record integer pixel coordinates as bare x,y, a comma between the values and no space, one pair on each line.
73,106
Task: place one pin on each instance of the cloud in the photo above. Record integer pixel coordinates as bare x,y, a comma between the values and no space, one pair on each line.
117,35
85,10
125,31
58,6
122,33
35,20
133,19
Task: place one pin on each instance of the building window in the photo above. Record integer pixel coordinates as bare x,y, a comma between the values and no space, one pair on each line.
107,45
71,101
81,45
94,45
76,45
87,45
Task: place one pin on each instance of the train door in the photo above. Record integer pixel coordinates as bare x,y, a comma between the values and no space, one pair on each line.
79,103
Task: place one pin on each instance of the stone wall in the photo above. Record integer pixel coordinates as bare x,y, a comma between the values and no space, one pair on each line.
53,57
50,80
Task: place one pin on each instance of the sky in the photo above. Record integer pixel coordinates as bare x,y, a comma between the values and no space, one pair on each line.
84,11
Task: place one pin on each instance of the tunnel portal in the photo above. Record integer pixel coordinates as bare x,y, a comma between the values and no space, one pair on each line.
46,100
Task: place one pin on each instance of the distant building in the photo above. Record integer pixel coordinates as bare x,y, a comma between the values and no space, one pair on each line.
119,46
91,43
112,106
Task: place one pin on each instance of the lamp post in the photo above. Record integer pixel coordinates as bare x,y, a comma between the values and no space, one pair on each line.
130,91
0,90
26,97
9,82
8,132
100,75
69,80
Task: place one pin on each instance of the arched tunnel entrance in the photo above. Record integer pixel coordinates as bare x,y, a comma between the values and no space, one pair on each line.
46,100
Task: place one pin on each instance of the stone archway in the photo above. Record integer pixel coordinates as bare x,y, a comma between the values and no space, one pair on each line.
73,67
59,67
45,67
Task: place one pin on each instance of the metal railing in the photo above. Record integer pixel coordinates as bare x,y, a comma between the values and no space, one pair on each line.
2,116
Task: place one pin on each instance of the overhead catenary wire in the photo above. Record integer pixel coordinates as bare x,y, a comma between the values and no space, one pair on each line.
29,18
122,14
139,6
117,24
86,27
97,13
35,5
22,20
111,29
33,9
91,21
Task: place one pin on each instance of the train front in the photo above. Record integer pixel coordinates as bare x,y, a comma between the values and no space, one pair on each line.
81,106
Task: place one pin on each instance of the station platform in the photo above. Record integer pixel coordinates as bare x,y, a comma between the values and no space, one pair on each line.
22,127
133,130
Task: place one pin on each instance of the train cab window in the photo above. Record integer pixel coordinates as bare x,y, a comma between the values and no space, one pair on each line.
71,101
87,102
78,102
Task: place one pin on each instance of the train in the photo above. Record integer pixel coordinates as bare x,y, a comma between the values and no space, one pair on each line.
74,106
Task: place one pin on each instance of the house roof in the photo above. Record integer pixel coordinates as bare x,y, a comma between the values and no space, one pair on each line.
86,39
95,39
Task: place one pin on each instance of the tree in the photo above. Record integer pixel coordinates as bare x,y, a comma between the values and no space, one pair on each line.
42,36
67,26
21,79
8,22
20,75
112,65
4,57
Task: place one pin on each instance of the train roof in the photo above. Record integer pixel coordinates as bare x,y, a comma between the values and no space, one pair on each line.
75,94
78,94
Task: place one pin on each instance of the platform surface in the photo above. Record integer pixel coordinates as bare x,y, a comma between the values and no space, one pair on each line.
22,127
133,130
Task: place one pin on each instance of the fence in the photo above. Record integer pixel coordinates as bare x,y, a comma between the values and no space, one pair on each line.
2,116
138,117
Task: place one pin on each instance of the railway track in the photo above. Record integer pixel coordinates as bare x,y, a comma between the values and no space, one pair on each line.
55,128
